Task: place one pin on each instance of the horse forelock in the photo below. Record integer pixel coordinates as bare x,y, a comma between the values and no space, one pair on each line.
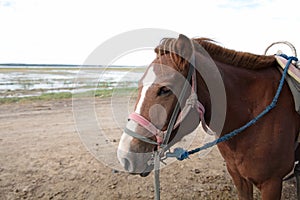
166,51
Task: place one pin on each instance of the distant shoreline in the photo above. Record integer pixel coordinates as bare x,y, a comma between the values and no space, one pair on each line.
99,93
62,65
44,65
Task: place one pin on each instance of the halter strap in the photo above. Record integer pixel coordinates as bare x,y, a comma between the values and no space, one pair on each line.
162,137
149,126
175,113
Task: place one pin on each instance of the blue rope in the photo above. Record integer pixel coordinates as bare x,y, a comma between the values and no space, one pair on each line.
182,154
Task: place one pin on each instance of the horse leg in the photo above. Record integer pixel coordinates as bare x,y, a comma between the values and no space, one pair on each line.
271,189
244,187
297,170
297,175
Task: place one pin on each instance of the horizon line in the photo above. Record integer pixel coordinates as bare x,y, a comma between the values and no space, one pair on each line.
62,65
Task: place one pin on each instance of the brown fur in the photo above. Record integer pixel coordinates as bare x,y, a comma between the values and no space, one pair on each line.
221,54
262,154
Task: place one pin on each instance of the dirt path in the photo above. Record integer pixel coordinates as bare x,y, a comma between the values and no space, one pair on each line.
42,157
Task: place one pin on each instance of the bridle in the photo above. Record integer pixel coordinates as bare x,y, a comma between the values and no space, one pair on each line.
192,102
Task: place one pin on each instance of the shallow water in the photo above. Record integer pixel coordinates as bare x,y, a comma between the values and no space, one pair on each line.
34,81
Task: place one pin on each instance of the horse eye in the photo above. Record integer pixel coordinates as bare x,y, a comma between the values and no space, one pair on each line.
164,91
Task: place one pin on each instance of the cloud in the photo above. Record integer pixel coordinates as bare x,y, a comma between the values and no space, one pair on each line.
240,4
7,3
7,6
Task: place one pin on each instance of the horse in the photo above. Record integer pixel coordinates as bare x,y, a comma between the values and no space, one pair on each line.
262,155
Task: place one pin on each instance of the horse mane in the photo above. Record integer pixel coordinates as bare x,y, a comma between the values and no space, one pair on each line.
223,55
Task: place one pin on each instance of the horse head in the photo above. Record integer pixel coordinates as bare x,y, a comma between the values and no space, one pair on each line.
168,84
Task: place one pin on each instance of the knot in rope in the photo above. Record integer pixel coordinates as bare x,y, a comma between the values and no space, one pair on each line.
159,137
178,153
293,58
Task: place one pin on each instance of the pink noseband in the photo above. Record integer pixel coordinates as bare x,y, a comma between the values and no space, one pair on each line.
191,102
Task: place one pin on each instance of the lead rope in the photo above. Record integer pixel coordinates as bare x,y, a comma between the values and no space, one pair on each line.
156,175
182,154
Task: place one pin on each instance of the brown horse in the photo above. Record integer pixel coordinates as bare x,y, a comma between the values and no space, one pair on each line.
262,155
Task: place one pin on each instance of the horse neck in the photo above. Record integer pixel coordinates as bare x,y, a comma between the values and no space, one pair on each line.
244,89
237,82
202,89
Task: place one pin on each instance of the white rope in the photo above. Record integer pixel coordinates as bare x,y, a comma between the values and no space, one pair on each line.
292,47
283,42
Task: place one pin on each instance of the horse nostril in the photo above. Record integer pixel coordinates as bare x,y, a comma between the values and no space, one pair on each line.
126,164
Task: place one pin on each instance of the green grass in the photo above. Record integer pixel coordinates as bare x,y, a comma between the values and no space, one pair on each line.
68,95
48,96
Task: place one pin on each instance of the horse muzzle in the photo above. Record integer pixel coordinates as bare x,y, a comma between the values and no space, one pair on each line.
133,162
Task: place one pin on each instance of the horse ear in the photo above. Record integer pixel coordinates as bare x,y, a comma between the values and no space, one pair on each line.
183,47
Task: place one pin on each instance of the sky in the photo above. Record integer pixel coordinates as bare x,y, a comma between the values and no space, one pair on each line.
67,31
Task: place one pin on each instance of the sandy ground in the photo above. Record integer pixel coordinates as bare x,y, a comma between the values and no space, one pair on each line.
42,157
